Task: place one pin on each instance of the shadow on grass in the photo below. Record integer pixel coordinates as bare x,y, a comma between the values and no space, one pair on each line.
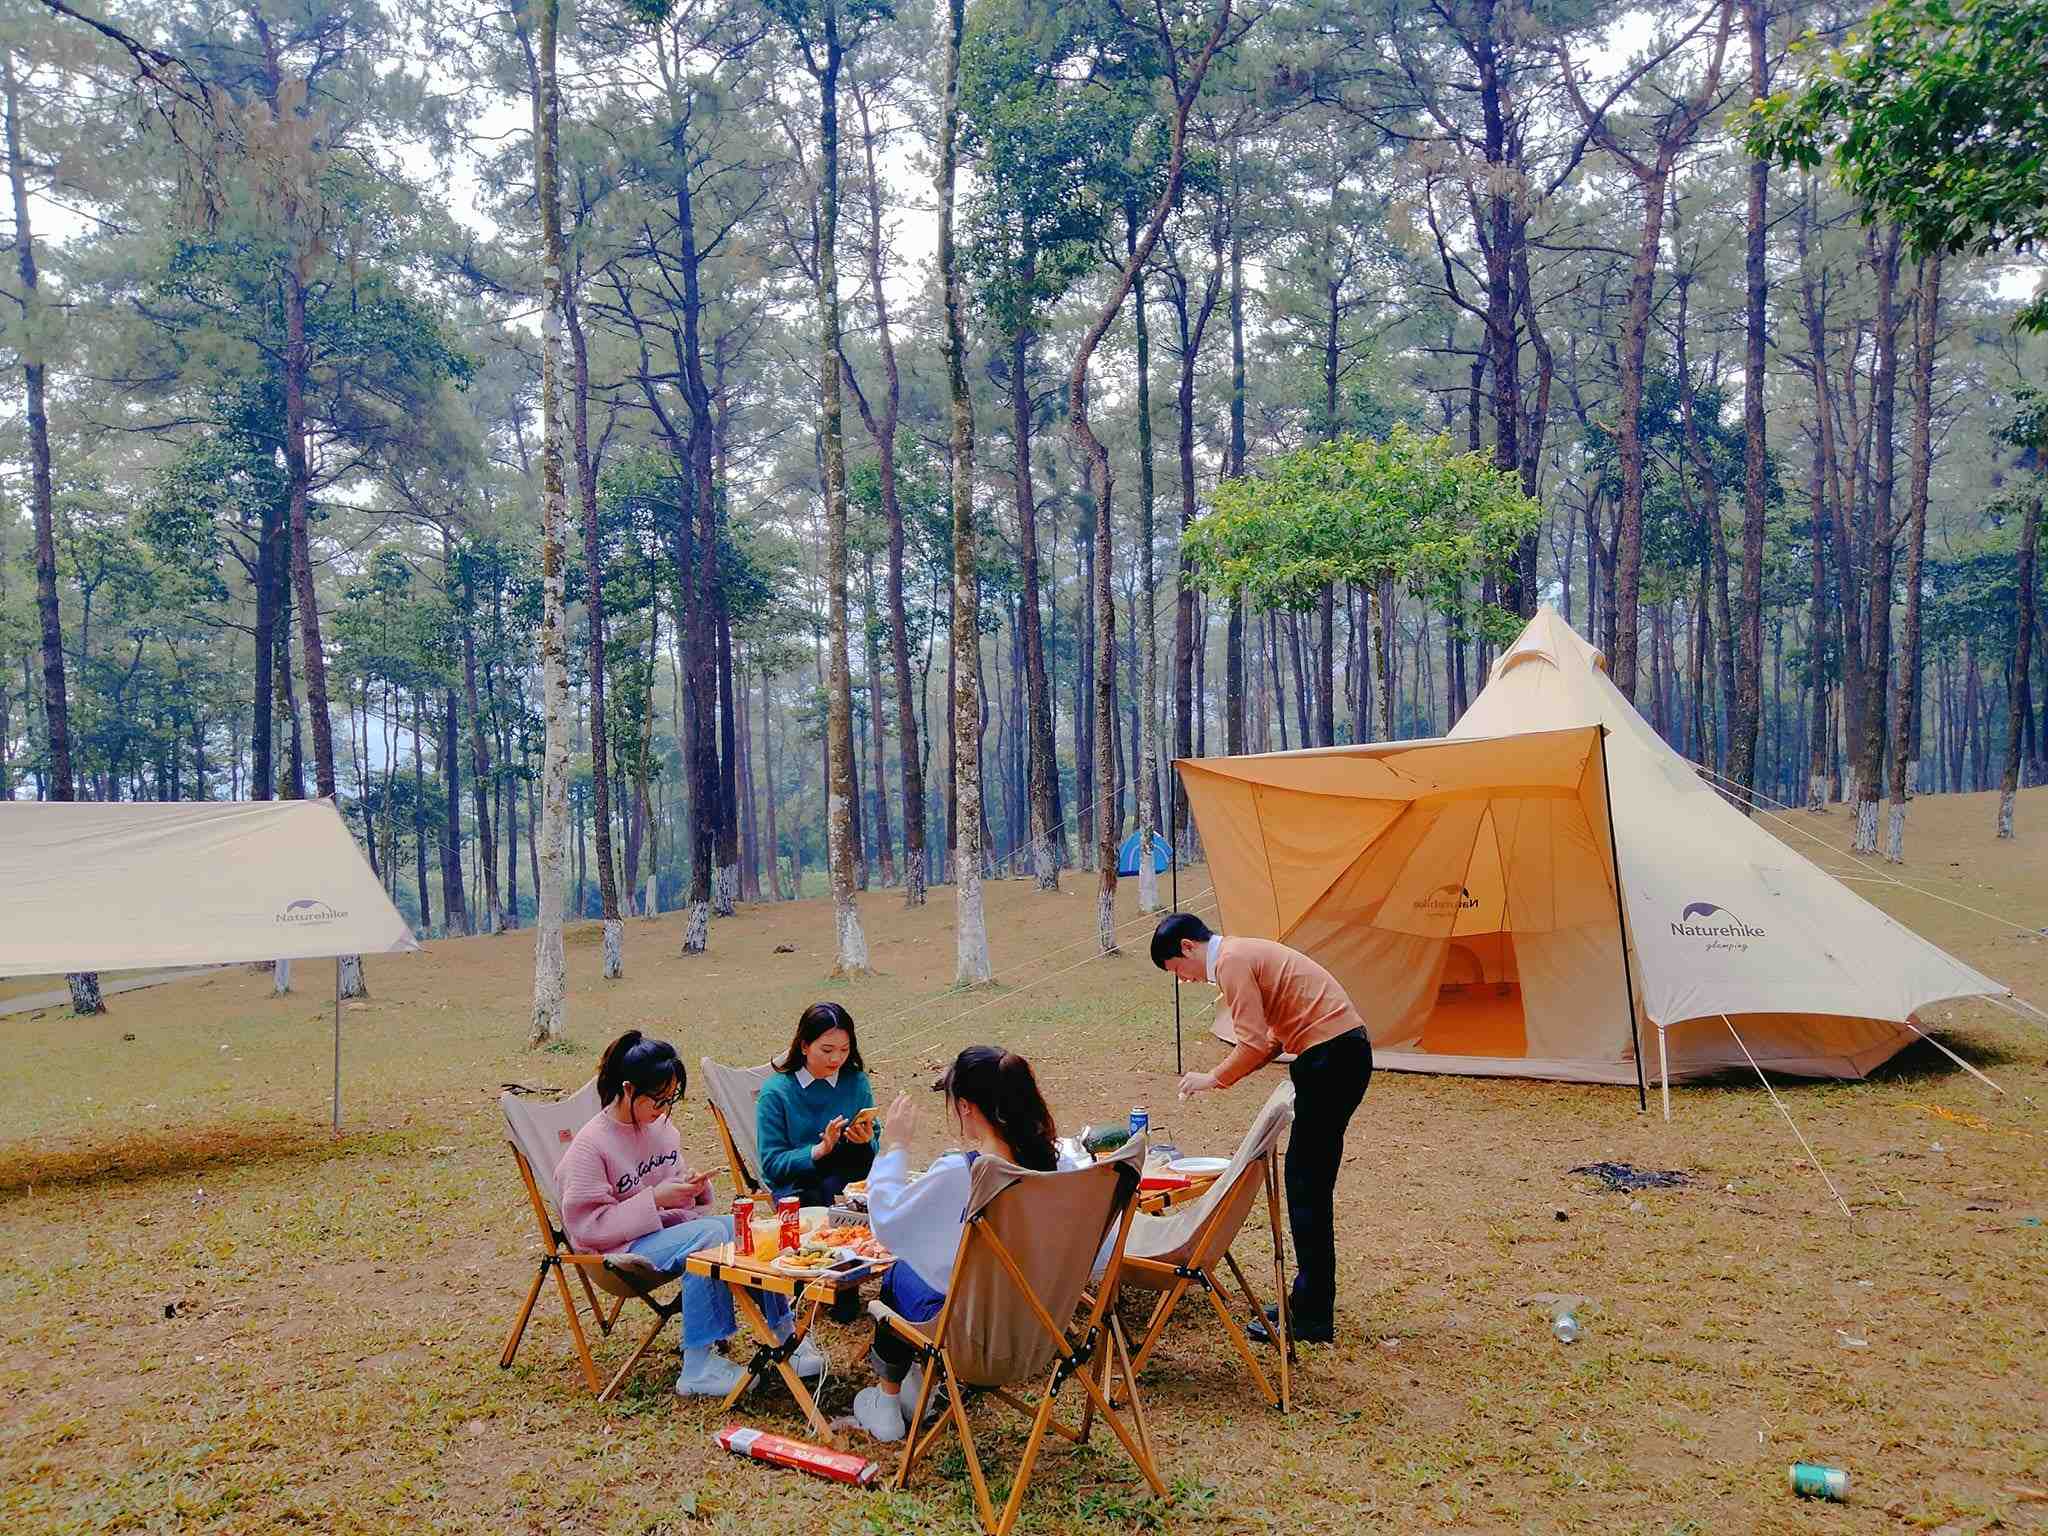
137,1156
1920,1061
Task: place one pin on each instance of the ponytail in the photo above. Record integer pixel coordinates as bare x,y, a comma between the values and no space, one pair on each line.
647,1066
1002,1086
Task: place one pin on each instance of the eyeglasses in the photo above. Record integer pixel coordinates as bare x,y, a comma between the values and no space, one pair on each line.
663,1104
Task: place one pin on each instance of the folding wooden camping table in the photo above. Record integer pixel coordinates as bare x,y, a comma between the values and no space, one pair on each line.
749,1279
1157,1202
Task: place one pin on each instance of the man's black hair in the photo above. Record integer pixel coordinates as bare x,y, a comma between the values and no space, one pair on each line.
1172,930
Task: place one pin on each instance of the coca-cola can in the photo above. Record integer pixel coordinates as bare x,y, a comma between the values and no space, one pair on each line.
790,1209
743,1220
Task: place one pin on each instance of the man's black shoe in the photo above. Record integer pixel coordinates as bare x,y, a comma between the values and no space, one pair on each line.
1307,1330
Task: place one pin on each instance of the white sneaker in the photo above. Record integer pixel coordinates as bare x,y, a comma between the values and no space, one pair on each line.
714,1378
809,1360
912,1385
879,1414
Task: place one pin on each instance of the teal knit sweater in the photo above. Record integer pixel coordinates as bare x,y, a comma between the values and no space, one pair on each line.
790,1118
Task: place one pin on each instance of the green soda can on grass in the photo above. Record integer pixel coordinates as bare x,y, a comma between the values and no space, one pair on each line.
1811,1480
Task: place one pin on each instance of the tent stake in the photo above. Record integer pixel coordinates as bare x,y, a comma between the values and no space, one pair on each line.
1628,979
337,1045
1173,863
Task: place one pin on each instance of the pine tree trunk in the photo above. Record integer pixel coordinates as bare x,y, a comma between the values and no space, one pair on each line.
1883,545
970,925
549,963
85,985
773,784
480,779
850,952
1749,621
454,905
726,894
1040,765
1628,433
1148,606
1906,705
2022,660
419,808
750,837
1234,639
594,640
878,740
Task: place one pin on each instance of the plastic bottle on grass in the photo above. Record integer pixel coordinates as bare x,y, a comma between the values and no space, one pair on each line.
1564,1326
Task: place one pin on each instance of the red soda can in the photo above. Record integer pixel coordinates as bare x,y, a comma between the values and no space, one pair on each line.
790,1209
742,1222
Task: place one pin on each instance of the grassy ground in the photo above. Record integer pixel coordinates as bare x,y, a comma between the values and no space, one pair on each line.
214,1318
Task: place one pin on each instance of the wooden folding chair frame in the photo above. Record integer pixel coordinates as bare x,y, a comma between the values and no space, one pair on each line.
558,1256
1173,1281
1089,1362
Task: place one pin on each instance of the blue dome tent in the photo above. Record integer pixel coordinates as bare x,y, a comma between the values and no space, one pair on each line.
1127,855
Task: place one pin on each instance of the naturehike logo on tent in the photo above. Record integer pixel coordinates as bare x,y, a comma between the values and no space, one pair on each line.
1726,931
1450,897
308,910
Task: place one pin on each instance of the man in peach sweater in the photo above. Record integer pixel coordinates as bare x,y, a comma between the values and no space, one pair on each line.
1281,1002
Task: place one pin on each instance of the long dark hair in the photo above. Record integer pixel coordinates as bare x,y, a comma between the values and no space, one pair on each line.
821,1019
647,1065
1003,1087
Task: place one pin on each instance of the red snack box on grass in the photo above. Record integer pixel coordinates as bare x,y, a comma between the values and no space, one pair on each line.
839,1466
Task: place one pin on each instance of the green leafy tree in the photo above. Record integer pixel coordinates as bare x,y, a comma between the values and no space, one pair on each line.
1409,509
1936,120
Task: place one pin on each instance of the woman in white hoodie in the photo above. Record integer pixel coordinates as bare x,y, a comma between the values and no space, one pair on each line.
994,1101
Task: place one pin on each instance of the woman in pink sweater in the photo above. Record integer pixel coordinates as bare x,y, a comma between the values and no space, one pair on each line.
625,1187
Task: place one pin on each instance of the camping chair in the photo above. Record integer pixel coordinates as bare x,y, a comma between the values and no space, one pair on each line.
1183,1248
1010,1316
732,1093
540,1133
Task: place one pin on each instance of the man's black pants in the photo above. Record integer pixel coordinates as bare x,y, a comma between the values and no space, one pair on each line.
1329,1082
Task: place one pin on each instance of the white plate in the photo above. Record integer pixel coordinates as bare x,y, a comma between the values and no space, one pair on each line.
795,1273
1198,1165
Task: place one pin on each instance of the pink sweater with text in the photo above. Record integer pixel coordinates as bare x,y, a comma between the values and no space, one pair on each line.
607,1180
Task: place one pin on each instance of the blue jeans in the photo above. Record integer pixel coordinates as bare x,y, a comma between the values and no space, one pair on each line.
904,1293
707,1303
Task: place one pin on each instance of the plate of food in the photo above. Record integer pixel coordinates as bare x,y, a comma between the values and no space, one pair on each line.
860,1242
808,1262
1199,1167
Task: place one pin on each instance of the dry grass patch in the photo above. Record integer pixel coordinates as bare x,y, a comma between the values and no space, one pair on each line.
311,1343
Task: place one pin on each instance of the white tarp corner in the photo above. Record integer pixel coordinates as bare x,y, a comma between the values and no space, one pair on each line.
129,885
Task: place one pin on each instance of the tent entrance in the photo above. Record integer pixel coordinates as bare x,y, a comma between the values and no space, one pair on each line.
1479,1006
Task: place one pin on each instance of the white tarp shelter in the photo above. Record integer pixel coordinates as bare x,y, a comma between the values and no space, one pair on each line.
129,885
1463,890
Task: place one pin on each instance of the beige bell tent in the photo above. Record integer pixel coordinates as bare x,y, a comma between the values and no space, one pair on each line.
132,885
1464,891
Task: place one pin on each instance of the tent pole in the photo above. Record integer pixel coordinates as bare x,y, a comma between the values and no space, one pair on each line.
337,1045
1628,979
1173,863
1664,1072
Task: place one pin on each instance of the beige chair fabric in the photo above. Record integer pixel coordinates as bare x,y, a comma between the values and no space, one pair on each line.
735,1091
1166,1239
1052,1224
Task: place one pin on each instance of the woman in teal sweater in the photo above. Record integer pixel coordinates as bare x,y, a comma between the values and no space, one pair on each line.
810,1124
